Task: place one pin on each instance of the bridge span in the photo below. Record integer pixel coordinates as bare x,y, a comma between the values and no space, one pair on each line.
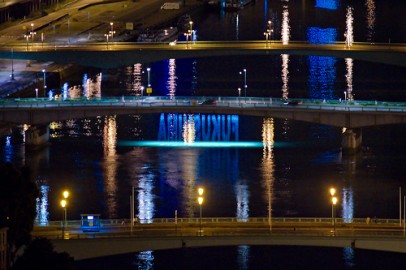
349,115
118,54
116,237
355,114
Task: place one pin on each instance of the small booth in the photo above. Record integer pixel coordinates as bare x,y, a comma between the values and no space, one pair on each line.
90,222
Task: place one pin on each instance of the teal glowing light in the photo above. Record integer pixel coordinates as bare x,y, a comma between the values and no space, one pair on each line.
181,144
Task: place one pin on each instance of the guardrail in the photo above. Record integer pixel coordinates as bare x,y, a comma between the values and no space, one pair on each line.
232,220
239,102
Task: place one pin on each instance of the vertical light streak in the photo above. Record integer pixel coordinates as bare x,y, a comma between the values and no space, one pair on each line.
136,82
349,34
285,76
285,25
370,5
349,76
267,167
348,205
110,168
171,83
189,132
42,217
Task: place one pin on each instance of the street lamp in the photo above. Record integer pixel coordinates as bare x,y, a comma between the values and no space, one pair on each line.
239,91
64,204
200,191
268,32
32,33
149,77
111,30
333,203
27,37
107,38
45,81
36,92
245,82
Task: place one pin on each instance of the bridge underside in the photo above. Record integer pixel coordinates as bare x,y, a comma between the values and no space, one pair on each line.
82,249
126,54
347,119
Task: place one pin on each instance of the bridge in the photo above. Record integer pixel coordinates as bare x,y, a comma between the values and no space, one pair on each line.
118,54
352,115
118,237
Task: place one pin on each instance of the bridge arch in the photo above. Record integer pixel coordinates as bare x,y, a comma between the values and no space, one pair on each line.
82,249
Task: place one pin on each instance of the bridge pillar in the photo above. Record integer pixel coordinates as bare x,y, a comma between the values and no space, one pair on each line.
37,136
351,141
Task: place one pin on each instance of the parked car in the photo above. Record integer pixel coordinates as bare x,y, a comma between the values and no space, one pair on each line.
292,102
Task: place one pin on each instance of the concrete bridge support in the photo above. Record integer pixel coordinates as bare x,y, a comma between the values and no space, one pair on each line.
351,141
37,136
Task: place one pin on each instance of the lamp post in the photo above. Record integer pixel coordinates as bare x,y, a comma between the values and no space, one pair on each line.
245,82
200,191
333,203
32,33
107,38
36,92
268,32
149,77
64,204
45,81
112,32
27,37
239,91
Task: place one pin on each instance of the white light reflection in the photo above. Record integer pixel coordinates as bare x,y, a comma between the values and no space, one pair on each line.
41,205
242,195
267,167
145,260
110,168
243,257
349,33
91,87
348,205
171,83
146,206
189,132
285,24
370,4
349,66
285,76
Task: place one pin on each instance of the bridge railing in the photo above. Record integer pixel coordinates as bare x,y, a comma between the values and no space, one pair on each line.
231,220
231,102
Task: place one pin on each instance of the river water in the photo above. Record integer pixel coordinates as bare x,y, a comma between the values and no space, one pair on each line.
248,166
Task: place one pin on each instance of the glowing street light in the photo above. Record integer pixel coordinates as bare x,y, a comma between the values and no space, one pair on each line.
32,33
334,201
112,32
200,191
268,32
108,35
64,204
